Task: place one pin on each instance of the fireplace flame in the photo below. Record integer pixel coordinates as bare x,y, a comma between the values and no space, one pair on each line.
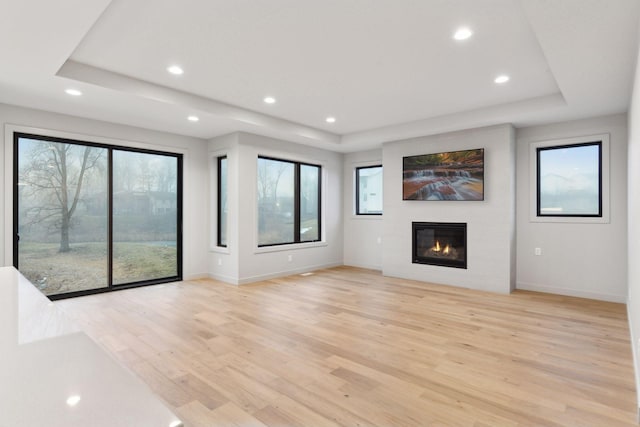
442,250
438,248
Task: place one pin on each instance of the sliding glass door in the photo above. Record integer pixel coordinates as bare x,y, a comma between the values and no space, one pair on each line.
145,208
62,219
90,218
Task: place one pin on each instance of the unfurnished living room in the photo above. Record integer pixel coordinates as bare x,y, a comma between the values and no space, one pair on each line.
319,213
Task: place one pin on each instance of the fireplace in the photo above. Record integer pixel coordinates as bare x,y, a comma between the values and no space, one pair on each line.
440,243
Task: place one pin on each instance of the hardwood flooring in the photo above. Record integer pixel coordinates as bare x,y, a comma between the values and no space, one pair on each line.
349,347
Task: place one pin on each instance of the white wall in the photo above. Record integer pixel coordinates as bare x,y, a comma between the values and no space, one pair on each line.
490,223
196,183
255,263
362,233
586,260
633,179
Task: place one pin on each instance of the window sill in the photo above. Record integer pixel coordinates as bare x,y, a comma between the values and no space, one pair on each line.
220,249
289,247
571,219
369,217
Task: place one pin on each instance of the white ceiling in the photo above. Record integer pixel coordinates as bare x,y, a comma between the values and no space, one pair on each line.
385,69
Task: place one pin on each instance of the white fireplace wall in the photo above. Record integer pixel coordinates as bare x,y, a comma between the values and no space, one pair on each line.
490,223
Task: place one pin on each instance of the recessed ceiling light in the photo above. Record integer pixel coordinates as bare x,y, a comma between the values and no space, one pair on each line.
269,100
330,119
462,33
503,78
193,118
174,69
73,92
73,400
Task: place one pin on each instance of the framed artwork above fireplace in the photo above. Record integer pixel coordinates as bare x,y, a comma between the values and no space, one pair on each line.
453,175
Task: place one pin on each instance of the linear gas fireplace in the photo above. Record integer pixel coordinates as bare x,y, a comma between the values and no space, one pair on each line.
440,243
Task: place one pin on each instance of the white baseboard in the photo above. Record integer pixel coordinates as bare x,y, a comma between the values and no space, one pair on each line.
196,276
223,278
363,265
636,361
571,292
252,279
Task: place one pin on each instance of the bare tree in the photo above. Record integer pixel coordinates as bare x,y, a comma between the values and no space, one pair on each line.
146,174
54,175
125,177
165,175
269,176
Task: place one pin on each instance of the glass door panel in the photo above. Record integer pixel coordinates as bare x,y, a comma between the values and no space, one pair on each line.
145,221
62,215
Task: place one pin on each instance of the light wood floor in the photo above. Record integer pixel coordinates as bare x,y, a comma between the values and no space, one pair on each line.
349,347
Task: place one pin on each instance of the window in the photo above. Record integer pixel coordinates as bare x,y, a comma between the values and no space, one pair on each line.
289,195
369,190
222,201
309,203
91,218
569,180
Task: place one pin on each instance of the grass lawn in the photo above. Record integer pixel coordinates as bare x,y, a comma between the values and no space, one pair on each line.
85,267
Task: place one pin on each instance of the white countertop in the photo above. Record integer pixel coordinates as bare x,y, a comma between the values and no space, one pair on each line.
45,360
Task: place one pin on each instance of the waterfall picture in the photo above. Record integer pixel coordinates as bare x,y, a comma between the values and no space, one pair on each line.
454,175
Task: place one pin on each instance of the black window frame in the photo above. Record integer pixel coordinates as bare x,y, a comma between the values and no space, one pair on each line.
358,169
539,150
219,200
111,287
296,202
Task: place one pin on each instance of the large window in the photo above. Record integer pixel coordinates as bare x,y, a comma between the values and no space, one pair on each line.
569,180
369,190
222,201
289,195
90,217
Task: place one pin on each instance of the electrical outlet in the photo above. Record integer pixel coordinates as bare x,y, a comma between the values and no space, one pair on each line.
219,261
289,258
537,251
379,240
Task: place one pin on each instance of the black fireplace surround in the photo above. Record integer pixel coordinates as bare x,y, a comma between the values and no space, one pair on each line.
439,243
